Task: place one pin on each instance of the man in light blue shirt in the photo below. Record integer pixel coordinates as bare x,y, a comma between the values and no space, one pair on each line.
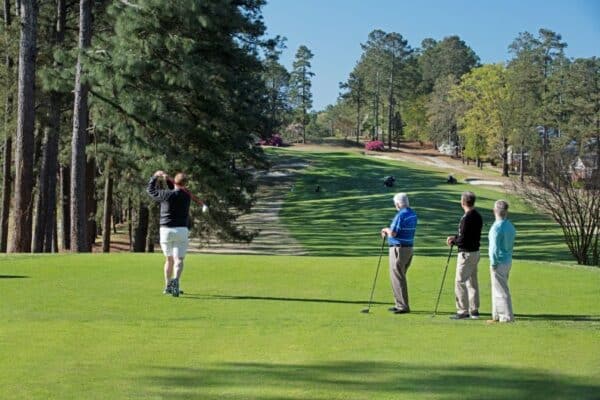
501,241
401,236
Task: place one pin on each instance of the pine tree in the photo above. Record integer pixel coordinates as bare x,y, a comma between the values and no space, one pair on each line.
23,203
79,238
300,86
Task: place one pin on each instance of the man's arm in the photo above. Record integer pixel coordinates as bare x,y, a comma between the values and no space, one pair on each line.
459,239
494,246
155,193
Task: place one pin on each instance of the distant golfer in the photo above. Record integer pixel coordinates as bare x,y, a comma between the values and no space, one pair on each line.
466,286
174,222
401,235
502,239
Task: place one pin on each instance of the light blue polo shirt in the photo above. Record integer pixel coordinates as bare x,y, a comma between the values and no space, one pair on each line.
502,239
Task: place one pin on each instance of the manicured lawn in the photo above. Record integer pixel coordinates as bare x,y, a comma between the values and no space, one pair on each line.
259,327
344,217
269,327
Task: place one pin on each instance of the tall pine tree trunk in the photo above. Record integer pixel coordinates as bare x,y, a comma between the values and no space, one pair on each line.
505,157
65,187
90,202
376,136
79,239
6,192
391,106
108,209
24,140
141,229
7,153
521,164
152,227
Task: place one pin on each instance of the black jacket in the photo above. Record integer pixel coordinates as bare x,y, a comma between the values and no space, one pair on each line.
174,204
469,231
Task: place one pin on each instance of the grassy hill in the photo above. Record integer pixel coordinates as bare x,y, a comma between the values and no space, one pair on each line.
289,327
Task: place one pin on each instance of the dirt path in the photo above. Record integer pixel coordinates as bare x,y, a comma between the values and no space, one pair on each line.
273,237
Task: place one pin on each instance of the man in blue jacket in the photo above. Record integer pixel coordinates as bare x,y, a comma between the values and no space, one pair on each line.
174,222
501,241
401,236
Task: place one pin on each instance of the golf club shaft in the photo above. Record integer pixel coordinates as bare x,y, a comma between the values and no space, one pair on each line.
376,273
443,279
194,198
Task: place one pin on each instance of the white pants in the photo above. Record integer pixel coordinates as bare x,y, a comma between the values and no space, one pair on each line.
174,241
501,302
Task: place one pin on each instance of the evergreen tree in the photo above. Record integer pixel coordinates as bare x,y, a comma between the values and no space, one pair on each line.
192,88
23,199
300,85
277,81
450,56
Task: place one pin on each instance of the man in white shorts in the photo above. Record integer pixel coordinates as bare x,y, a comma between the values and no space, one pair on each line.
174,222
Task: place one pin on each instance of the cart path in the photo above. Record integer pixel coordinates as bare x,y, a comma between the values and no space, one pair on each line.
273,238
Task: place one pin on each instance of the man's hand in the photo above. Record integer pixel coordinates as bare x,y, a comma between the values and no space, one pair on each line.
450,240
159,174
385,232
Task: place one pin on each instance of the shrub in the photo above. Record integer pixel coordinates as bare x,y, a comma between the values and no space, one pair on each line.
274,140
374,145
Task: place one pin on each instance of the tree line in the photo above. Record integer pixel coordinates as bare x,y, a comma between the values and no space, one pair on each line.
99,94
537,114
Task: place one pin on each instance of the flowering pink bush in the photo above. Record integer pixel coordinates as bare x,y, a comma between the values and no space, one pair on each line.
374,145
275,140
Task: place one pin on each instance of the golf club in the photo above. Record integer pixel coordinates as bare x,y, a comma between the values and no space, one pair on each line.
443,279
194,198
366,310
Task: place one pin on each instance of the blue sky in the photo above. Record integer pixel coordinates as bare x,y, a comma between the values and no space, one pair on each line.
334,29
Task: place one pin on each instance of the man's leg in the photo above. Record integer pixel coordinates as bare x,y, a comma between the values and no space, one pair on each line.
473,282
460,284
168,269
179,252
502,298
398,279
178,267
493,284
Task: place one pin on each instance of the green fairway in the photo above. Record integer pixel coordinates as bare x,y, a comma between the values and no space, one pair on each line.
275,327
352,205
258,327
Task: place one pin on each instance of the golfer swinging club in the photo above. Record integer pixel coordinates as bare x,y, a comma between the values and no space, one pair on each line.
400,234
174,222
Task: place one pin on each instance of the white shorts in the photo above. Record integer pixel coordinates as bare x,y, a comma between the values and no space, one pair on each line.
174,241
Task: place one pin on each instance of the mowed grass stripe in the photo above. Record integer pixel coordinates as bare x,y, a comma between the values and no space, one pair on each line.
96,326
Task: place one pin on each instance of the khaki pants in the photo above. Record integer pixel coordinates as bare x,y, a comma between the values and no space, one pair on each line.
466,286
501,301
400,258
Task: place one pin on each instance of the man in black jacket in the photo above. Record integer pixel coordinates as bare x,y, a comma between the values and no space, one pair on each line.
174,222
466,286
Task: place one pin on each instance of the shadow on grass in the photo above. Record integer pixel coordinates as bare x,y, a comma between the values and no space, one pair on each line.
559,317
270,298
13,277
364,380
519,317
344,218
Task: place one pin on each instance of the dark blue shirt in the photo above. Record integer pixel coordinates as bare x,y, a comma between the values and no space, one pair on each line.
404,226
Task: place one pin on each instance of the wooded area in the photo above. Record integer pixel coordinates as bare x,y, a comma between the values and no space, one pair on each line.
99,94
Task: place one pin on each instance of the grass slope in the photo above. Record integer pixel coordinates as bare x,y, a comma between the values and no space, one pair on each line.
345,216
258,327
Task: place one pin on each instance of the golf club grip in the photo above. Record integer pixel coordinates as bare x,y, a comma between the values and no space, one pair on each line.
194,198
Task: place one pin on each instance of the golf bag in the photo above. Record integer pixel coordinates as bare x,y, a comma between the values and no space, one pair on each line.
388,181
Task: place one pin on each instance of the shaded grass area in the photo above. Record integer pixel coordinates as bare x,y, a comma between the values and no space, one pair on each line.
344,217
259,327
